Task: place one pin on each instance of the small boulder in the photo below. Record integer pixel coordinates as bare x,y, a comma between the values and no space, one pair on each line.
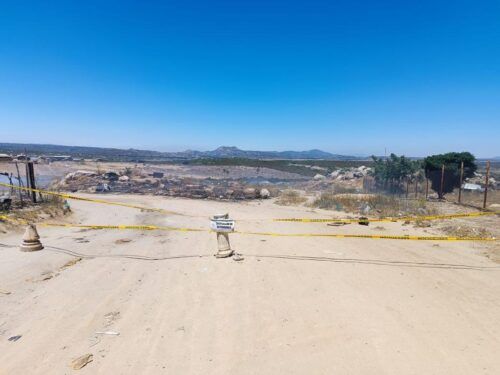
349,175
334,174
101,188
319,177
250,193
264,193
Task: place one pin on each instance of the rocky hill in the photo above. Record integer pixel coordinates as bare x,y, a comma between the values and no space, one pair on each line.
133,154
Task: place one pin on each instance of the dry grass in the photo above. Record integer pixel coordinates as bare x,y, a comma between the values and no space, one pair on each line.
422,223
50,207
475,198
380,205
465,231
291,198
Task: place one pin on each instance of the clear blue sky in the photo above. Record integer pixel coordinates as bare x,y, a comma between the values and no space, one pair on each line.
352,77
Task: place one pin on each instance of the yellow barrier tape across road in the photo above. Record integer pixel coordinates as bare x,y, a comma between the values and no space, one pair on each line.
74,197
13,220
124,227
387,219
328,235
83,226
372,236
297,220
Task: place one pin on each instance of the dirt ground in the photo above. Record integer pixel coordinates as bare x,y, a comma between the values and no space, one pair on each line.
294,305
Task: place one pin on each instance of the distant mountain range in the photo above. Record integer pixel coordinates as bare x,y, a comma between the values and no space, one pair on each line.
235,152
133,154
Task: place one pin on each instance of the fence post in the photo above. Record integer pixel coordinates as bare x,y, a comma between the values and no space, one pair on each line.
461,182
486,184
30,179
407,186
416,187
442,183
426,188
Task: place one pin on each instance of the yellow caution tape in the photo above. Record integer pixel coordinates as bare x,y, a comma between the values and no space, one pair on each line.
123,227
74,197
296,220
372,236
13,220
329,235
387,219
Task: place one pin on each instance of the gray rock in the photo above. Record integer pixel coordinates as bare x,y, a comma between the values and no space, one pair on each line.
334,174
101,188
422,211
349,176
264,193
250,193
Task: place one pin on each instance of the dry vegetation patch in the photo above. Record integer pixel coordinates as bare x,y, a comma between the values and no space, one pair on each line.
462,231
291,198
49,207
378,204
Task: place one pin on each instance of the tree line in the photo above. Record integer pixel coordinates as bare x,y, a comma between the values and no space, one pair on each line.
393,172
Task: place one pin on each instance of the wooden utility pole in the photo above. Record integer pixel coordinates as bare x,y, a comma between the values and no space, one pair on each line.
30,179
486,183
416,187
442,183
407,186
461,182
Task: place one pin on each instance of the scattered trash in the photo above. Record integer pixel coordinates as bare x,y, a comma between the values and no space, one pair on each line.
15,338
363,221
111,333
238,258
123,240
46,276
82,361
337,224
2,291
422,224
66,207
81,240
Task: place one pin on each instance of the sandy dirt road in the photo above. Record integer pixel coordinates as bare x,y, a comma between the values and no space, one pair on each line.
292,306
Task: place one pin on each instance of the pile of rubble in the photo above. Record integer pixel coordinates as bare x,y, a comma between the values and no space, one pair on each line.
187,187
479,180
345,174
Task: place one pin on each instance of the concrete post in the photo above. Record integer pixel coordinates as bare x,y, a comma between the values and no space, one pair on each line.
223,245
31,239
222,225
